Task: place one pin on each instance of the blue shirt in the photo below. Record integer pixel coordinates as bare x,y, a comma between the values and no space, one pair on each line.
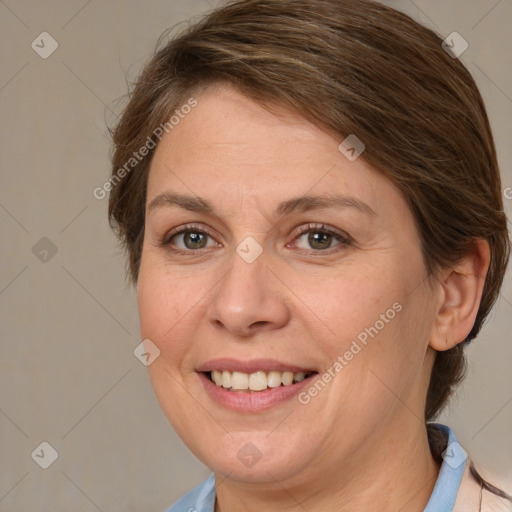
442,499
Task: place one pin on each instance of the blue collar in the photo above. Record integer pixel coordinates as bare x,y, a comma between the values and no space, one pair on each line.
442,499
200,499
448,482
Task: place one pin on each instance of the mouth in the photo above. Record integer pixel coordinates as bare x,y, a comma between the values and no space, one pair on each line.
256,382
253,386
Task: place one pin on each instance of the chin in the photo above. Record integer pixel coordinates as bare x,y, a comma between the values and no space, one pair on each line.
251,458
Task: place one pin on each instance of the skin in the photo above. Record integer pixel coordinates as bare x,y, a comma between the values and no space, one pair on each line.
362,439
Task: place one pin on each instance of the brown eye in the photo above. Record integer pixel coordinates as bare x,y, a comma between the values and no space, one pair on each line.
194,240
320,240
190,240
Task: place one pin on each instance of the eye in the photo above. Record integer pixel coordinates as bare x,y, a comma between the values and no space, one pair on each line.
189,239
320,238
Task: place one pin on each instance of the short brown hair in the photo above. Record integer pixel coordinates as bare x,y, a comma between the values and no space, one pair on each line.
353,67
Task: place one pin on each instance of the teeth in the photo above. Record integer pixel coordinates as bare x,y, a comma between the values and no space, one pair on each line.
299,376
239,380
217,377
226,379
274,379
258,381
287,378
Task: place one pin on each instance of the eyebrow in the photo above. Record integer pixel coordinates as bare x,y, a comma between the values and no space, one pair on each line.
294,205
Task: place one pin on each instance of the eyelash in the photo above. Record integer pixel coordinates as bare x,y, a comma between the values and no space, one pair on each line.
343,239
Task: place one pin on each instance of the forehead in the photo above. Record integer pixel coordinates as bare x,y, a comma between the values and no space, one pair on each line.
230,147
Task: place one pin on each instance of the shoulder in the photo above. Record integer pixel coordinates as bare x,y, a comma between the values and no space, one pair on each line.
199,499
492,502
471,492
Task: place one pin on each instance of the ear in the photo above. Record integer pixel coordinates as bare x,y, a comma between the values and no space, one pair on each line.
460,292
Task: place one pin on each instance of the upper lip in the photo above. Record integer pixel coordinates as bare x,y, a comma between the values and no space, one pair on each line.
250,366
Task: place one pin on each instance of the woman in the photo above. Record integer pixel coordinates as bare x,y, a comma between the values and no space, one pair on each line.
313,244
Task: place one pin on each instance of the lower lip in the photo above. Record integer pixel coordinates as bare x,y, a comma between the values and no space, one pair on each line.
255,400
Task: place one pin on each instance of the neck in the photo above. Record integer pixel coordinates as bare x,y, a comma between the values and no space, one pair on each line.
394,469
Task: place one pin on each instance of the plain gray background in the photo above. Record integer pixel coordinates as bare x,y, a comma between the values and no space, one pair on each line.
69,322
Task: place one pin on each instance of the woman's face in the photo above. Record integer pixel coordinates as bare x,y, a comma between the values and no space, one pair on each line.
267,251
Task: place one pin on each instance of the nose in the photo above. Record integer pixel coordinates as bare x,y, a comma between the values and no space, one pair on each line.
249,299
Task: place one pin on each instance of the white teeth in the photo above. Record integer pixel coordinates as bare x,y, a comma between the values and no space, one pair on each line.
274,379
217,377
257,381
239,380
226,379
287,378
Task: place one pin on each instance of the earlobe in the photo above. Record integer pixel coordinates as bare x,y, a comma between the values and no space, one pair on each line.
461,288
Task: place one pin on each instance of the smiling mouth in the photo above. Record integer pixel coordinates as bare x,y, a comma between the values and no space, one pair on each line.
257,381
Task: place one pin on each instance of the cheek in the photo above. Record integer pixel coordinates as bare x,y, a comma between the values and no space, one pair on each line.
165,308
370,319
349,304
164,304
